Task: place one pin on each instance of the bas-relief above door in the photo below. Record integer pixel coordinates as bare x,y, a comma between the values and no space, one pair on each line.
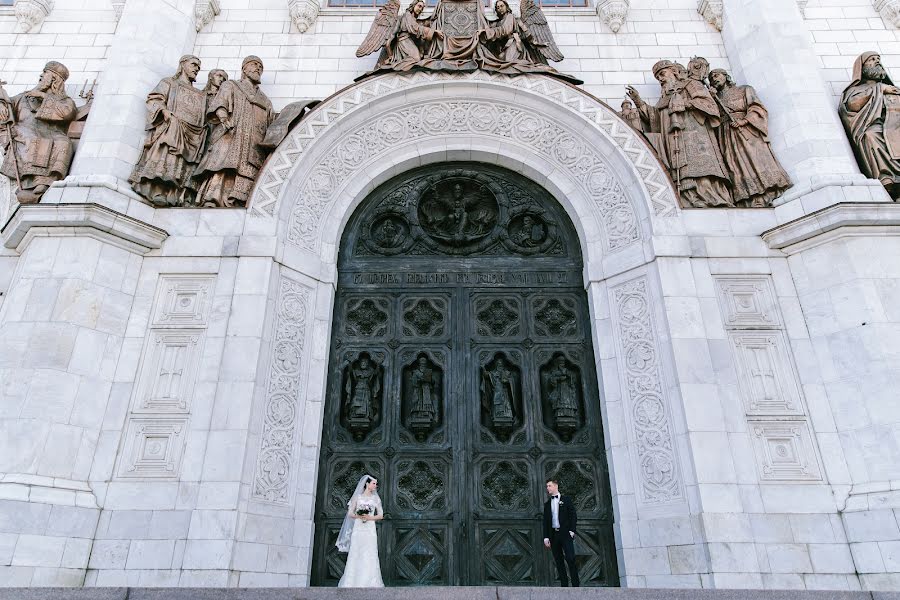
462,376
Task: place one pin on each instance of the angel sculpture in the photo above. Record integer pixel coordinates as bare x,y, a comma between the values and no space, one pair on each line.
520,45
459,37
401,38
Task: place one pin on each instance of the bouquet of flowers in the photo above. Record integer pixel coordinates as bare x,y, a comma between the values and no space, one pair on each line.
363,511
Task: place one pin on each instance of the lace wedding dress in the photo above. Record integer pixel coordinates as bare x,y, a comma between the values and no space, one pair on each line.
363,568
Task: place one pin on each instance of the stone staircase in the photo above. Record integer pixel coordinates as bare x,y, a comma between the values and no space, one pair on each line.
427,593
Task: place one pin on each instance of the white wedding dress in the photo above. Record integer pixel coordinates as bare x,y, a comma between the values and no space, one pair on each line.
363,568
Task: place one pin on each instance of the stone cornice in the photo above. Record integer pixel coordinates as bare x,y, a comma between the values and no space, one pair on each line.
91,220
805,232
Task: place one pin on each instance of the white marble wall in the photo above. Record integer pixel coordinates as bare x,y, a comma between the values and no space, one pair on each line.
104,481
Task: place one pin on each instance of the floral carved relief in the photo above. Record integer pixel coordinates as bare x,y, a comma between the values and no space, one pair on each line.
651,432
284,383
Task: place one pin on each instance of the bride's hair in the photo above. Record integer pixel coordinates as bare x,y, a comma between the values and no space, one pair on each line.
368,479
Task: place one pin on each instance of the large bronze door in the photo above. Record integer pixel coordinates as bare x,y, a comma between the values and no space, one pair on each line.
462,376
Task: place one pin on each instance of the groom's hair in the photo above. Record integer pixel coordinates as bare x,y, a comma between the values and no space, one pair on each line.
553,479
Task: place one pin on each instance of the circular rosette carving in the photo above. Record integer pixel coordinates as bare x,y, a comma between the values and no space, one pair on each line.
483,117
567,149
353,151
288,357
280,411
388,234
527,128
274,471
392,129
458,211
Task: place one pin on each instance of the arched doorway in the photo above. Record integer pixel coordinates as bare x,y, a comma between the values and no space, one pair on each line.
462,375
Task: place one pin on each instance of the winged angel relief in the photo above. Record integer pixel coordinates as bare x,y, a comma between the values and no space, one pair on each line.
459,37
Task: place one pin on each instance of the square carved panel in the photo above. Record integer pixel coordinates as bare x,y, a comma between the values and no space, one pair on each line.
766,375
183,300
168,371
784,450
748,302
153,447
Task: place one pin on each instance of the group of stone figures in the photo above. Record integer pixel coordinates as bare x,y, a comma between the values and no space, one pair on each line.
500,390
202,147
205,147
712,137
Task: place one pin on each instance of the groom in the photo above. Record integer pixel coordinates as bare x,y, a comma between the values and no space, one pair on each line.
560,525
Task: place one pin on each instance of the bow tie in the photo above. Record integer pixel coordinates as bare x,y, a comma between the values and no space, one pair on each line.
557,497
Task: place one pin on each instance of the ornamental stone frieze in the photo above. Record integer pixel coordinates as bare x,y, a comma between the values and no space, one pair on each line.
613,13
204,12
711,10
31,13
889,11
303,13
118,6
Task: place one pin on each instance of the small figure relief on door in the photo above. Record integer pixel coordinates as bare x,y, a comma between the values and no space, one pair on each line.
362,392
562,396
422,403
501,397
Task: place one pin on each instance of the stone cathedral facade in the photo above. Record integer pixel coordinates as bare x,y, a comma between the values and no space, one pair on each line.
461,272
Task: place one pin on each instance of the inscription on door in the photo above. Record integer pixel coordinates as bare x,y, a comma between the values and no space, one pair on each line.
462,376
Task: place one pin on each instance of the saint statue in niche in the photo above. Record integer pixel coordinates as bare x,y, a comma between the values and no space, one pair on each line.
423,390
498,388
389,234
561,384
362,387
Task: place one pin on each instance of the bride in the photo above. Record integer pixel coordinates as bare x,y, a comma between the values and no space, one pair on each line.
358,536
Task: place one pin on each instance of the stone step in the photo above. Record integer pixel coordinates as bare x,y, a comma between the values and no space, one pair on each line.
428,593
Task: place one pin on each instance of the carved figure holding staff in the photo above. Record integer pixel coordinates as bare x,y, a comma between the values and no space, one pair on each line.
756,175
175,138
686,117
870,111
33,128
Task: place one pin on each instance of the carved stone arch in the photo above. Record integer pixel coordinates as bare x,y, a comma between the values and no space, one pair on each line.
566,140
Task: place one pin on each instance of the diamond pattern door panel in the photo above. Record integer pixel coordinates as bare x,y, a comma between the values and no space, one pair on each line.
461,375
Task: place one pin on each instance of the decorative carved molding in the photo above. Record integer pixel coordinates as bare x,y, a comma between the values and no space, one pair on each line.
284,386
184,301
516,124
613,13
81,219
118,6
801,4
889,11
31,13
154,447
204,12
712,11
584,109
784,450
747,302
303,13
651,432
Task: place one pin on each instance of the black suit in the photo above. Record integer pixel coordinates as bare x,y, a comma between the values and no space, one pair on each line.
560,541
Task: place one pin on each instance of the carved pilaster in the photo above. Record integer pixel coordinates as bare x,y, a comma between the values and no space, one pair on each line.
303,13
711,10
889,11
613,13
204,12
31,13
118,6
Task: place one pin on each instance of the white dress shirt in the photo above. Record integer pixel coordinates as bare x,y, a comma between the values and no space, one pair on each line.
554,512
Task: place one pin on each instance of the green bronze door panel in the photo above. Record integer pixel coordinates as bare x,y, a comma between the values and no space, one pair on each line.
461,376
